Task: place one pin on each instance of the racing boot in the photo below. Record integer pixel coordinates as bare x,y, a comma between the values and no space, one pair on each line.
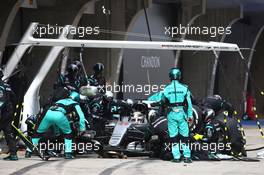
187,160
176,160
12,157
69,156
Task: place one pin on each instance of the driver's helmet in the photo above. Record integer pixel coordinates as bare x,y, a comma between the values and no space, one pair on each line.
137,117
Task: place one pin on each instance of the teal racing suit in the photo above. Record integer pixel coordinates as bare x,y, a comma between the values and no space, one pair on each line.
175,97
60,115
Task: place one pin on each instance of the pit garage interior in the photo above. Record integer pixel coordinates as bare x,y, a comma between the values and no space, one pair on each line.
244,19
228,75
231,82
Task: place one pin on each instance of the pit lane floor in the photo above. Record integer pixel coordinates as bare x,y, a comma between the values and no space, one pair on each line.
90,164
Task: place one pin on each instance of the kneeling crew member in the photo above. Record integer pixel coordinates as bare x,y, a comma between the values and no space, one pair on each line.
59,115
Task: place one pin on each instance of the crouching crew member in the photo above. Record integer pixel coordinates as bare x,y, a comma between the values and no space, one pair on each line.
218,104
61,114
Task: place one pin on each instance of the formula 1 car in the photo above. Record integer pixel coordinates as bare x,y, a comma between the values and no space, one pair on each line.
145,133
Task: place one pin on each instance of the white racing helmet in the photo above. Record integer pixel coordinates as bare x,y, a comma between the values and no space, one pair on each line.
137,117
152,113
109,95
209,114
89,91
218,97
129,102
